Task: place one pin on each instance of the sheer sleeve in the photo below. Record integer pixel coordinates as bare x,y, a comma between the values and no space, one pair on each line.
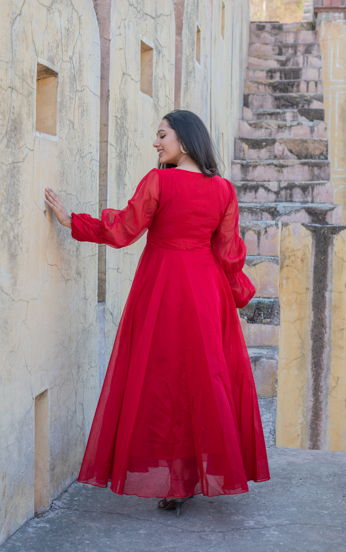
119,228
230,250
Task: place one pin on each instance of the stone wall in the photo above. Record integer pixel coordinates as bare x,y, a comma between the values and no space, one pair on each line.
50,83
84,124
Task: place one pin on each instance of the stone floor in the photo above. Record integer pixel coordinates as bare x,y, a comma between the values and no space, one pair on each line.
302,508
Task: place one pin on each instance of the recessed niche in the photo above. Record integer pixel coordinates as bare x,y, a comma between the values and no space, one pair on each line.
41,485
146,84
198,45
46,99
223,20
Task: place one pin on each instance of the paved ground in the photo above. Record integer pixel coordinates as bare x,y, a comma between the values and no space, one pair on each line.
302,508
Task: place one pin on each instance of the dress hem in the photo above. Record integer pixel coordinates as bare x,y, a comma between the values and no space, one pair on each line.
102,486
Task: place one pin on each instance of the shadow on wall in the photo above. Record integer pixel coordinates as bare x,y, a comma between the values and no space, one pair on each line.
285,11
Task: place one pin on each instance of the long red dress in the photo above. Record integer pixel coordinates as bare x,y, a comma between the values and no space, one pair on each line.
178,412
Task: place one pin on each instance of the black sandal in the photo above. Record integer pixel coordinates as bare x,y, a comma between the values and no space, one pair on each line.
171,504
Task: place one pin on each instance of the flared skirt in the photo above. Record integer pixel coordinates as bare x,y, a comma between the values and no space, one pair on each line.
178,412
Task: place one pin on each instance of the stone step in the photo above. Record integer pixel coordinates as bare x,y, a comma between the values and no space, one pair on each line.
281,129
272,170
264,363
285,61
261,237
260,321
264,274
283,101
283,73
297,192
315,213
260,334
283,86
256,48
284,115
281,148
283,37
261,310
281,27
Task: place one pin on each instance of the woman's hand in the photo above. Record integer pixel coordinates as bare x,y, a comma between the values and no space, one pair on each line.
54,201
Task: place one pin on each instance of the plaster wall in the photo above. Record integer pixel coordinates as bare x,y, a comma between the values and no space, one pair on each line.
133,121
195,79
47,280
228,61
332,38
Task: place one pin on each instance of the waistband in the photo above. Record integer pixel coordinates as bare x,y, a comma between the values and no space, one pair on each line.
172,246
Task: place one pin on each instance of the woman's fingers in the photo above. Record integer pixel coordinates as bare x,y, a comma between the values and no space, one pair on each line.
54,201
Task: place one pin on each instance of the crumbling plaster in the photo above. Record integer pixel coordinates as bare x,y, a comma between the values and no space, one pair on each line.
47,280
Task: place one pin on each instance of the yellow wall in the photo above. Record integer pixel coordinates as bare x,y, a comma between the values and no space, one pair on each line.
294,344
336,425
332,38
298,417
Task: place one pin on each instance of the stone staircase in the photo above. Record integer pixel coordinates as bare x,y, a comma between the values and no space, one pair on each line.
281,171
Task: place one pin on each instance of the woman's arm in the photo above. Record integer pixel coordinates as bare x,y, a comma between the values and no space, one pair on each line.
117,227
230,250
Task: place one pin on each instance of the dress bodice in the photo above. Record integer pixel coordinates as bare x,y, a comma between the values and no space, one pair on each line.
181,210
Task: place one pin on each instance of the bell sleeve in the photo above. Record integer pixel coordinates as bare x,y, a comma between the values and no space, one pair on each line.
230,250
121,227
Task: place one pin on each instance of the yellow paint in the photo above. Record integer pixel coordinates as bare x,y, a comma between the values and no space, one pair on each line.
294,351
336,426
332,38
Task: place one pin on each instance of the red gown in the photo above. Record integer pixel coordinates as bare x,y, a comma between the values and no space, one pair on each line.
178,412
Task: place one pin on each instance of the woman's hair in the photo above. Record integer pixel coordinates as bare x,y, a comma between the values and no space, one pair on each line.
195,139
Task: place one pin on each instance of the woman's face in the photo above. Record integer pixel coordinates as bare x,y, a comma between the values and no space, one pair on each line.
167,144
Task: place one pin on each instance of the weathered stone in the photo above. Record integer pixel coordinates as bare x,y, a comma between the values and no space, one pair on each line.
280,28
296,191
284,49
283,101
286,115
264,274
301,60
317,213
284,37
261,238
275,170
332,35
260,335
264,362
262,311
282,129
48,338
312,384
283,73
263,86
281,148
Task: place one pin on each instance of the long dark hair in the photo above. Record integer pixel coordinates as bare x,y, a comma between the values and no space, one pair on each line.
195,139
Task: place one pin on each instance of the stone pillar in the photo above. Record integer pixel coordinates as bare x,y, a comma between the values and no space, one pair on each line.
312,352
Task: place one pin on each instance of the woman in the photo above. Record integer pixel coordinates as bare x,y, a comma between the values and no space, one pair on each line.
178,412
